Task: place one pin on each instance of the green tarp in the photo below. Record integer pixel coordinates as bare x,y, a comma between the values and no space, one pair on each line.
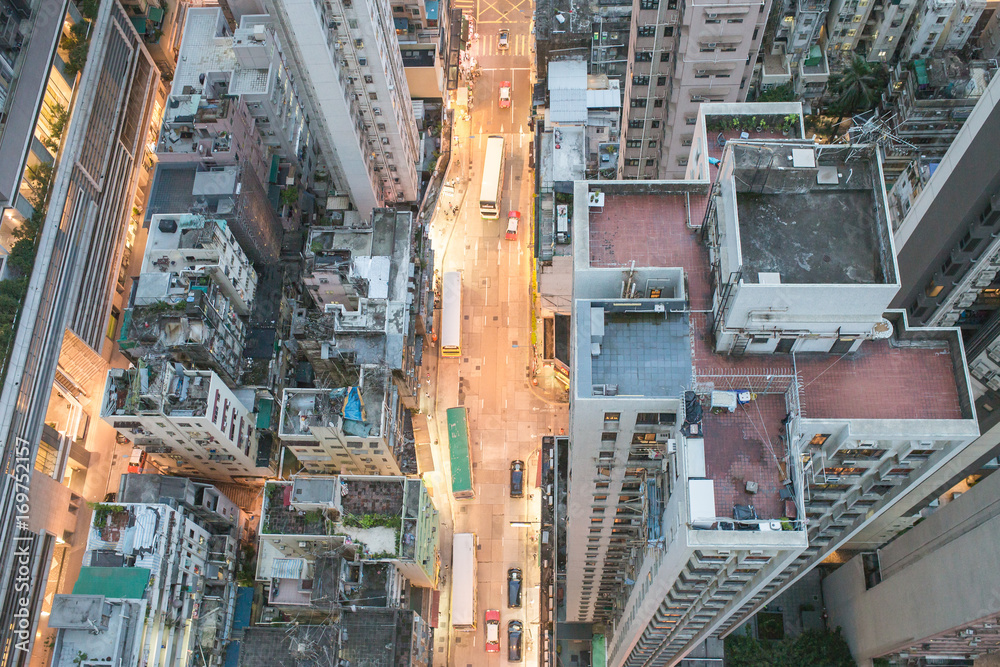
112,582
598,651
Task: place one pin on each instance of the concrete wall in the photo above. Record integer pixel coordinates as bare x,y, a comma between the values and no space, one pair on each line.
963,184
950,559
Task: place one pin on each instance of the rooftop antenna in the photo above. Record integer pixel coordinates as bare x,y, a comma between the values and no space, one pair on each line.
869,129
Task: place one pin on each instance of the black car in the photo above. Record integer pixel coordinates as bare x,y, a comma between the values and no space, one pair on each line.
514,633
516,479
514,587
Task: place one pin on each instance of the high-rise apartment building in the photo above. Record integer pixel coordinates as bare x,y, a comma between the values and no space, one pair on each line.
942,24
157,584
678,57
946,560
97,121
730,425
891,21
949,250
189,422
351,75
232,100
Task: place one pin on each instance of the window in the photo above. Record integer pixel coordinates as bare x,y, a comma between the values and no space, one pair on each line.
655,124
633,143
665,57
363,61
640,80
632,163
600,498
713,20
690,120
649,4
843,472
862,453
657,103
373,96
668,31
359,43
819,439
606,455
638,102
728,48
613,417
635,125
707,48
352,23
661,81
932,290
609,437
644,56
652,144
369,78
646,31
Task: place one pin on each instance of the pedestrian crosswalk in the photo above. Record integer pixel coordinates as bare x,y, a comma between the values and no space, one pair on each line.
489,45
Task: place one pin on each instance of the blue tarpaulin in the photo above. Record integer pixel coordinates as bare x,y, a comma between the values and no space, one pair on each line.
401,23
352,407
232,655
244,602
431,8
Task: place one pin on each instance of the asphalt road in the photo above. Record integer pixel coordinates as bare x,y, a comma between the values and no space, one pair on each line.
507,420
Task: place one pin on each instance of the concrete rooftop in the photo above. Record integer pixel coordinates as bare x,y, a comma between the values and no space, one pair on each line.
852,386
816,224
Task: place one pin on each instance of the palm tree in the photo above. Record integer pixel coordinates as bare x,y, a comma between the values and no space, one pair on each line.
857,88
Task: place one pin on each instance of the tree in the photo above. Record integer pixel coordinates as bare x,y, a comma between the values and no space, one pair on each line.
783,93
57,125
812,648
290,196
77,43
857,88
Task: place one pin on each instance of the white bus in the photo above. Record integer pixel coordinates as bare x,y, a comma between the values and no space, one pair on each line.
489,196
463,582
451,314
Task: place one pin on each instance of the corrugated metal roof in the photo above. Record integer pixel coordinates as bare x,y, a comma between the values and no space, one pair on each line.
567,74
287,568
568,106
606,98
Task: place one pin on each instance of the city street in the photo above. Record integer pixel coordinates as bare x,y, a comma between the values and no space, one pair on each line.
508,416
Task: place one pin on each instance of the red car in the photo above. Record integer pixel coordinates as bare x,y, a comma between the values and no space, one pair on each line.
512,219
492,631
504,94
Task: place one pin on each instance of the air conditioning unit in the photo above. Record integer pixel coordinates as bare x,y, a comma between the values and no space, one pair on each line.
303,545
849,463
711,15
756,552
671,446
